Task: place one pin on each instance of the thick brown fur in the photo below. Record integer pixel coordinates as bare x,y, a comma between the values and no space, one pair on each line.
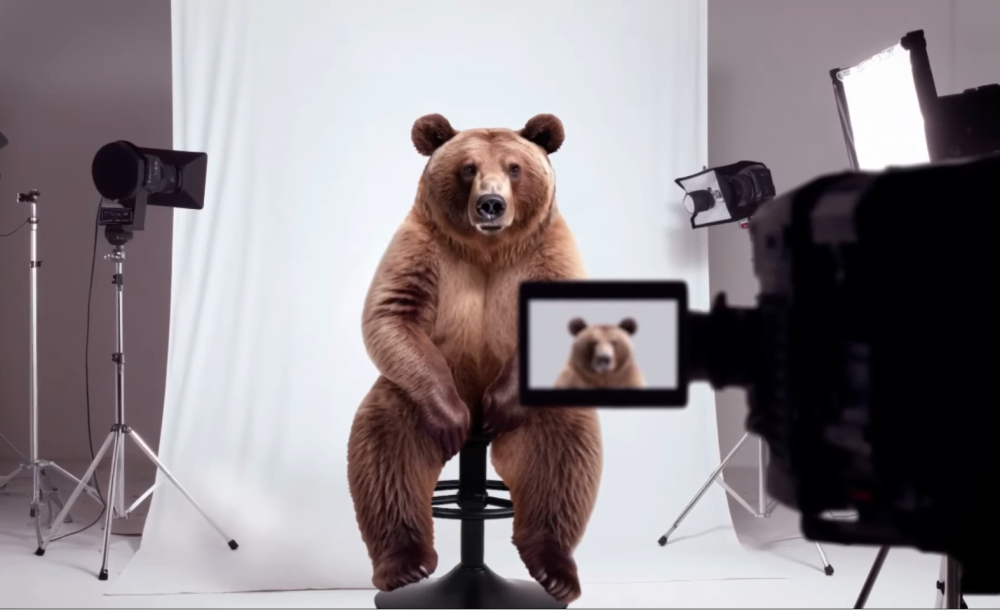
440,324
614,342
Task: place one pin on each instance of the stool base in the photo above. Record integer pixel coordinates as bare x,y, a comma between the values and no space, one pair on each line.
468,588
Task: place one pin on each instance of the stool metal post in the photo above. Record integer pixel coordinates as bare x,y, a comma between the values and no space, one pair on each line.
472,497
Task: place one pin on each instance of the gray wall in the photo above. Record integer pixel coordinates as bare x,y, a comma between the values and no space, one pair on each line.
74,76
770,99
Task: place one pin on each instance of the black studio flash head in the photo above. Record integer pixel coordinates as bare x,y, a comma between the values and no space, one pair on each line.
731,193
171,178
134,177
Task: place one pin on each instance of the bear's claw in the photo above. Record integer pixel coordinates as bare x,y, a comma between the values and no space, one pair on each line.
557,574
404,568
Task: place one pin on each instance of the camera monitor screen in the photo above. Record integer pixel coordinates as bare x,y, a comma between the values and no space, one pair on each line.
602,344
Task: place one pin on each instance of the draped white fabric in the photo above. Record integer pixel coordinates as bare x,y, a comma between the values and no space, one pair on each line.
305,109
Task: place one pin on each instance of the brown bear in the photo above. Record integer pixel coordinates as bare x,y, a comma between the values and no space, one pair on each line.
440,324
601,357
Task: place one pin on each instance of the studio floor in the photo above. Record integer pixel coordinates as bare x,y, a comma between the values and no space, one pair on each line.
66,575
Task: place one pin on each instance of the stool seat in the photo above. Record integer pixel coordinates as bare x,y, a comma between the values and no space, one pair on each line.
470,584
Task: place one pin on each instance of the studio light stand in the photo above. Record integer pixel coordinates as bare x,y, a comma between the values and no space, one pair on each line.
764,507
42,489
118,236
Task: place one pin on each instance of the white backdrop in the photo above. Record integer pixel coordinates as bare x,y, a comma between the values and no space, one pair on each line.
305,109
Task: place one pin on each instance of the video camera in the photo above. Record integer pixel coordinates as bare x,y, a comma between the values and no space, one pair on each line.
868,360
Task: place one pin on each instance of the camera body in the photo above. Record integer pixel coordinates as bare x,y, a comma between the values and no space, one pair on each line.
869,360
875,357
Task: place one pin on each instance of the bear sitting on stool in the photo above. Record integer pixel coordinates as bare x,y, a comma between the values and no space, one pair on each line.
440,324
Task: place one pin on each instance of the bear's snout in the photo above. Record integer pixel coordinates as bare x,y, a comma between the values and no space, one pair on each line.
603,360
490,207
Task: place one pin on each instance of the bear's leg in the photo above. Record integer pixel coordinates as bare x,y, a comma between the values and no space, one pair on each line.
552,465
392,468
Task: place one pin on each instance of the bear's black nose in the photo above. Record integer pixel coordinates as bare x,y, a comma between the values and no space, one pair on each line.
491,206
602,360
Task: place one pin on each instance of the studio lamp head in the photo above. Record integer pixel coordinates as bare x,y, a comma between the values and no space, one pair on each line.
133,177
891,113
730,193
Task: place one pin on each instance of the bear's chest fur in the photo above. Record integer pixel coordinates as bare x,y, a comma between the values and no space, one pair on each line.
476,323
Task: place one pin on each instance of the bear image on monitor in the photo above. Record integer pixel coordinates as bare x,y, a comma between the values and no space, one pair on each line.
601,356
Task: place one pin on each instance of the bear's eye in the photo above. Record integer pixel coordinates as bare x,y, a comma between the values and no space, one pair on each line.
469,170
515,169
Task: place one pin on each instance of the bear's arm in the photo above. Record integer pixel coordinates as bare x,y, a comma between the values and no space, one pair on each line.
399,312
567,380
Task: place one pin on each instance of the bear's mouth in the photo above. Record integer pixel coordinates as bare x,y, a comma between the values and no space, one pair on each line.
489,229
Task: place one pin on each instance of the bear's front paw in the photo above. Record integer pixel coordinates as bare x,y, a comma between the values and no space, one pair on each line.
502,411
447,423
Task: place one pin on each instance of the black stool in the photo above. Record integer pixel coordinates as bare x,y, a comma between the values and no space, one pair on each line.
471,584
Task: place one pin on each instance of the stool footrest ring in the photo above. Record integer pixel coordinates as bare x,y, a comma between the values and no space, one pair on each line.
453,484
472,515
496,508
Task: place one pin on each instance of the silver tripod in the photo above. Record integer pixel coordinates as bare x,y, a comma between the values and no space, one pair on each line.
764,507
42,489
949,583
119,432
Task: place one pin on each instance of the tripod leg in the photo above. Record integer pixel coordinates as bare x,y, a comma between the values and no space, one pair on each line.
827,568
58,521
7,479
14,447
872,577
114,490
953,585
152,457
36,499
704,488
90,489
120,507
939,585
50,495
761,479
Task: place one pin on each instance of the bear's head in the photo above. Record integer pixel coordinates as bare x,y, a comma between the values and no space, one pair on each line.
487,187
600,349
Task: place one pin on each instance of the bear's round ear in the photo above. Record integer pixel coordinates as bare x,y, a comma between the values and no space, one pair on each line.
430,132
576,325
629,325
546,130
